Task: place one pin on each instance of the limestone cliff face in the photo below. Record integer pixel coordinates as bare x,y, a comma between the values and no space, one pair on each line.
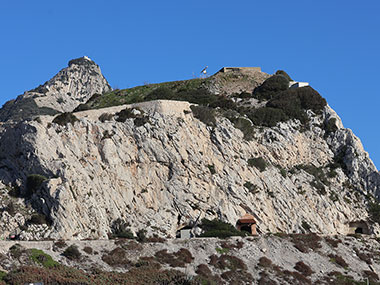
72,86
171,168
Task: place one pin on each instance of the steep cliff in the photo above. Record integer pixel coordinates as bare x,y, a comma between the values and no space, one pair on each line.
162,164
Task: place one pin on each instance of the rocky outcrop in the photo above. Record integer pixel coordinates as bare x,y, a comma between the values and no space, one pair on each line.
169,169
72,86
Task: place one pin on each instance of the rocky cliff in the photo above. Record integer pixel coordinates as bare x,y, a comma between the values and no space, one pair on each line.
159,165
72,86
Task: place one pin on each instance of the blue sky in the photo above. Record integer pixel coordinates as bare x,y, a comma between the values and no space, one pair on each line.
334,45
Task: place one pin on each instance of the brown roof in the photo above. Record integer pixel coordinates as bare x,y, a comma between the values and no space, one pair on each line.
247,219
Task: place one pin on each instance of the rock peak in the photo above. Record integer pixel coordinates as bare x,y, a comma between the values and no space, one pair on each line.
70,87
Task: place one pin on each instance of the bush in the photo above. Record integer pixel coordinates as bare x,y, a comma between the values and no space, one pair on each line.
271,87
283,73
304,242
338,260
265,262
267,116
88,249
374,211
10,208
124,114
141,235
204,114
252,188
220,229
162,93
39,257
245,126
72,252
303,268
258,162
211,167
119,229
65,118
105,117
33,183
38,219
330,126
117,257
176,259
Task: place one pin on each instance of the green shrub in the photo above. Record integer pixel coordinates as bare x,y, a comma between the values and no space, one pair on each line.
163,93
267,116
317,172
204,114
252,188
258,162
330,126
105,117
65,118
306,226
211,167
124,114
245,126
270,87
38,219
224,103
218,228
33,183
72,252
283,73
39,257
119,229
374,211
141,235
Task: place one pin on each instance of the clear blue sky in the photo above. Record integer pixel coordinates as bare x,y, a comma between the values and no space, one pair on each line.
335,45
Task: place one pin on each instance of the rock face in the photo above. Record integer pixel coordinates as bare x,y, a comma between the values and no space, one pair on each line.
169,169
73,85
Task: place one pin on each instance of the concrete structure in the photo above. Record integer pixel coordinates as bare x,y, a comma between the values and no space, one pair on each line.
185,234
358,227
247,223
295,84
240,69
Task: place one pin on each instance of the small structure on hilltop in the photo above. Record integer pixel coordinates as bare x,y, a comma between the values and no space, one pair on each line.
240,69
295,84
247,223
358,227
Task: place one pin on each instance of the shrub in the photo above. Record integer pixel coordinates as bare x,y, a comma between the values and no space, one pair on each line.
265,262
338,260
227,262
14,191
124,114
303,268
163,93
252,188
119,229
38,219
283,73
59,244
65,118
330,126
88,249
270,87
116,257
306,226
220,229
105,117
33,183
10,208
176,259
141,235
317,172
204,114
374,211
304,242
258,162
39,257
224,103
245,126
72,252
16,250
267,116
211,167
